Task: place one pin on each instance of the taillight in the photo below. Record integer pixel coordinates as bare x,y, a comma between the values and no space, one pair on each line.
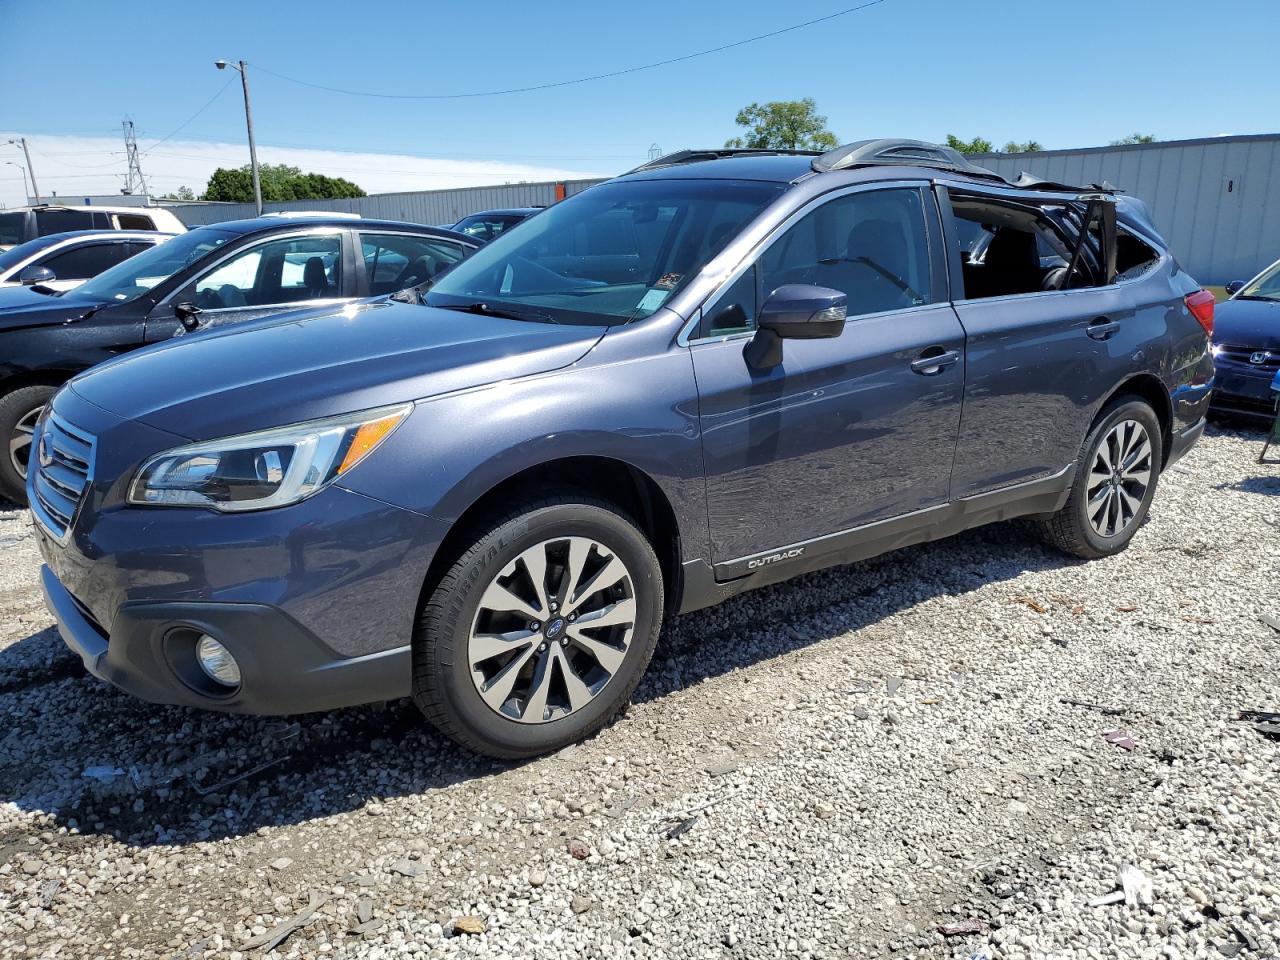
1201,304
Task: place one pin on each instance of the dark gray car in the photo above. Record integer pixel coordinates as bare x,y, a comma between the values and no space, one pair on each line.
714,373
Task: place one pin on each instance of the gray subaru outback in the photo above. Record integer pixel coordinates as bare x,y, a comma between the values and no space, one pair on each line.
719,371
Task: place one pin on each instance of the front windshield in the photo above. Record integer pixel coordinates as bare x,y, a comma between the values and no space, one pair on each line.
612,254
137,275
1265,287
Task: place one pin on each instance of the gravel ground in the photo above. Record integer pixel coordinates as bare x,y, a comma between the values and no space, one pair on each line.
838,766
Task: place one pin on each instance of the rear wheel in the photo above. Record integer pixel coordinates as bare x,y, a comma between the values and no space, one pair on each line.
538,634
1115,482
19,411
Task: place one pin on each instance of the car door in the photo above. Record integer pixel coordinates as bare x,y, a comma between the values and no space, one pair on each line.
278,273
844,431
1038,362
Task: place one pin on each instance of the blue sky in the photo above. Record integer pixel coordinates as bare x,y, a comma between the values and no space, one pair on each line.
1065,73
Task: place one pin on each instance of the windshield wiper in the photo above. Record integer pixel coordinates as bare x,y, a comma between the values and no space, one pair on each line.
1256,296
489,310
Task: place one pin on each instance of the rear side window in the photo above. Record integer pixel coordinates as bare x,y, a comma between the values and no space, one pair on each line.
81,263
56,220
135,221
394,262
1134,256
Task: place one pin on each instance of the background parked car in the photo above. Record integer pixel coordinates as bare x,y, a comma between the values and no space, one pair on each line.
1246,345
61,261
20,224
488,224
220,274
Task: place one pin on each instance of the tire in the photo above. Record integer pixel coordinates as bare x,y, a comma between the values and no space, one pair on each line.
530,696
18,409
1075,528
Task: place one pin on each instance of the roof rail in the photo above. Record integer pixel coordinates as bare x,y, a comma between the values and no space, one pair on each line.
714,153
911,153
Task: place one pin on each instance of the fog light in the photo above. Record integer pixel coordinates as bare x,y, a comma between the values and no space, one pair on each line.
217,661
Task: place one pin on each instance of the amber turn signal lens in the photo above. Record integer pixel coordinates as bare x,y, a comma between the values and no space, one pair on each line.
368,436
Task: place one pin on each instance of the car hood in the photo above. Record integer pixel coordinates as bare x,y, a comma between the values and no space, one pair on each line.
1248,323
24,307
313,364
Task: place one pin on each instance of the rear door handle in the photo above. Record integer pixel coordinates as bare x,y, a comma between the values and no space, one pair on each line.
934,360
1102,328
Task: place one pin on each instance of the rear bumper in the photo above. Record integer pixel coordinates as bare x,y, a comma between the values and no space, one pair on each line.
285,668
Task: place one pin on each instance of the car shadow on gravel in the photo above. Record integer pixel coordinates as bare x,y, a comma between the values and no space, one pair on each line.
88,756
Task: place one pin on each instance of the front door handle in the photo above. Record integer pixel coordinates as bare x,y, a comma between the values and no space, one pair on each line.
1102,328
934,360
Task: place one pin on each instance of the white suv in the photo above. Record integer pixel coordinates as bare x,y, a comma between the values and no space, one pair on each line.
20,224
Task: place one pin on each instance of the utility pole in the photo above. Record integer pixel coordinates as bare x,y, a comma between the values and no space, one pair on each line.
133,181
248,119
31,171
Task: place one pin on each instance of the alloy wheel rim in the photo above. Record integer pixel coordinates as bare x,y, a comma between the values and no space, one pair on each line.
1119,476
20,441
552,629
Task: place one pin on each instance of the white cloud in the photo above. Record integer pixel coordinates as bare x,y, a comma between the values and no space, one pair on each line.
80,166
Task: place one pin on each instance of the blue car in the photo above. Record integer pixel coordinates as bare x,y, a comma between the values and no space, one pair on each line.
1246,346
719,371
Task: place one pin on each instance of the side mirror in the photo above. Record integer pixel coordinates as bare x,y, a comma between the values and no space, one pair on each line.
36,274
1234,287
795,311
188,315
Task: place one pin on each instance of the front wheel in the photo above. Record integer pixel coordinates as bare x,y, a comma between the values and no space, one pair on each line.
19,411
539,632
1115,481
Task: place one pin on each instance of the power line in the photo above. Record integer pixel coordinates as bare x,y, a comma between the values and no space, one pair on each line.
182,126
566,83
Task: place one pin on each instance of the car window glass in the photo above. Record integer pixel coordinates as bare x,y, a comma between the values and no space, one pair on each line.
135,221
12,227
735,310
395,262
139,274
1134,256
83,262
870,246
609,255
56,220
1266,286
276,271
485,227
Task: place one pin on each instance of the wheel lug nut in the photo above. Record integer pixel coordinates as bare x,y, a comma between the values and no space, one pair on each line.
542,648
554,605
573,617
534,625
564,642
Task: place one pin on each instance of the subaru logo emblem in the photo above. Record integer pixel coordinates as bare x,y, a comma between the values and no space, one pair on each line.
45,454
1259,357
554,628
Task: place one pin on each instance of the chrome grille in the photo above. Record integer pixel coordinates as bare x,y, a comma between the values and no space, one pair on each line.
1238,353
62,457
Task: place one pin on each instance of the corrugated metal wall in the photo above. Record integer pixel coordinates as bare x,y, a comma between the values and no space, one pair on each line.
426,206
1216,201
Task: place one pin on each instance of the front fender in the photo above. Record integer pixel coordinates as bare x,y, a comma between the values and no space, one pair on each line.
632,399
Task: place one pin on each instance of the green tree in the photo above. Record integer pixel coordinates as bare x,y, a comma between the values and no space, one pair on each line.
976,145
1013,146
1134,138
279,182
783,125
182,193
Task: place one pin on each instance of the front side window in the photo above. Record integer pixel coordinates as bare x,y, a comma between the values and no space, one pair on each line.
871,246
484,227
277,271
137,275
83,262
394,261
609,255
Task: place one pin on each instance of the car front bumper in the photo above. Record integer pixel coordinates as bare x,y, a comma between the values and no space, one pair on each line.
1244,390
316,602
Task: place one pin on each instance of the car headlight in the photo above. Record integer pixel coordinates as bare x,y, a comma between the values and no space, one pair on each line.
271,468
